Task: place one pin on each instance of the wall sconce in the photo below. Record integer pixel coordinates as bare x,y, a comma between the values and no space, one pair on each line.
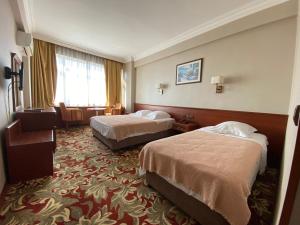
160,88
218,81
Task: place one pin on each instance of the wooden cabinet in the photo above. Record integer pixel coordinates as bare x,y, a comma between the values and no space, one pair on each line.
185,126
37,119
29,153
30,144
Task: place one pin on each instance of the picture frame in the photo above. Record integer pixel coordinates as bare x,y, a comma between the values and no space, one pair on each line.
189,72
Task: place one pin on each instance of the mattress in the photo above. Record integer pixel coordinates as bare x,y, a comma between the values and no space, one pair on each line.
120,127
221,169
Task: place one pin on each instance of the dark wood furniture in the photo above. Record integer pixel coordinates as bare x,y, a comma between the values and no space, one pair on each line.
70,115
86,115
185,126
272,125
29,153
37,119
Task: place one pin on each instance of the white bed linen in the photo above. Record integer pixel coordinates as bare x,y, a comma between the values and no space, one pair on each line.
256,137
107,131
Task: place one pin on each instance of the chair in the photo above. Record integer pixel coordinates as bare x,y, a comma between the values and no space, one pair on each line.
107,111
70,114
114,110
117,109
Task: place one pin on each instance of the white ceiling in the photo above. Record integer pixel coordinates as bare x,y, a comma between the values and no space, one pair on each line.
121,29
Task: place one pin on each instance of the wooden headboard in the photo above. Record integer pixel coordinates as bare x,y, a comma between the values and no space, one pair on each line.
272,125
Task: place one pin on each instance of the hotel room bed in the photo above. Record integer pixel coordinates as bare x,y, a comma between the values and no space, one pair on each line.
122,131
208,175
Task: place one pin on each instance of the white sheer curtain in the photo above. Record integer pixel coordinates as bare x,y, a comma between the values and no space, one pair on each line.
80,78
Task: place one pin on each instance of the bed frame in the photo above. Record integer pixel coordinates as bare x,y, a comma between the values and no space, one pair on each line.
131,141
272,125
193,207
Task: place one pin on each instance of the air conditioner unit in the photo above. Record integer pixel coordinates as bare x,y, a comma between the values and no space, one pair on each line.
25,40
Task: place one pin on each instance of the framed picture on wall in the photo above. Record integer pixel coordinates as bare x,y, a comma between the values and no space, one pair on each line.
189,72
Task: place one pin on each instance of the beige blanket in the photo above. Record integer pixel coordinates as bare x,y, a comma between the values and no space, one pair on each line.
119,127
218,168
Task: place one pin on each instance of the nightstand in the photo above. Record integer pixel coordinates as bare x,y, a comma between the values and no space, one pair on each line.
185,126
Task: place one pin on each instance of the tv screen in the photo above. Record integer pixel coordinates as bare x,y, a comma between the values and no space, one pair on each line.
21,72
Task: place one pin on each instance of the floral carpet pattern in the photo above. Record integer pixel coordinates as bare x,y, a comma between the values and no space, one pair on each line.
92,185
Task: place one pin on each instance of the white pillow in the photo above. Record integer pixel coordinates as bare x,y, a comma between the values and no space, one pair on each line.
235,128
261,138
157,115
142,112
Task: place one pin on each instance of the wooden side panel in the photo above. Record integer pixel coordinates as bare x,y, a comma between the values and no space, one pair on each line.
28,155
33,120
13,130
272,125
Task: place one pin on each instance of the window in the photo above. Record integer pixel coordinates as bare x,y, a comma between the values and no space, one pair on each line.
80,79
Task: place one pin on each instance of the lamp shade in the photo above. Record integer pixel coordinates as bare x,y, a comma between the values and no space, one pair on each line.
217,80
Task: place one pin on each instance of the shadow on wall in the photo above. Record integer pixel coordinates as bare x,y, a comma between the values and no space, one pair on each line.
2,80
235,79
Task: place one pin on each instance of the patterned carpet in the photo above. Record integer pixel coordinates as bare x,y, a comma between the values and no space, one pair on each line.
92,185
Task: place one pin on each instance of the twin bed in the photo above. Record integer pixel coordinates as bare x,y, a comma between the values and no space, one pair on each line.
208,172
121,131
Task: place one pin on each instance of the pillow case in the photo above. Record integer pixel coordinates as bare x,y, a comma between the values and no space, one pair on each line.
235,128
261,138
157,115
142,112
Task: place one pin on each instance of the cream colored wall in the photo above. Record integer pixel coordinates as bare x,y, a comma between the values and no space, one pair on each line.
275,13
291,128
7,45
257,65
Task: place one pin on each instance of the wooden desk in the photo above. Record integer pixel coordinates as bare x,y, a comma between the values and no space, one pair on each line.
33,120
95,111
86,114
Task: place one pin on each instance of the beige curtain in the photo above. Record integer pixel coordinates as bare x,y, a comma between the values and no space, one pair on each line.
113,73
43,74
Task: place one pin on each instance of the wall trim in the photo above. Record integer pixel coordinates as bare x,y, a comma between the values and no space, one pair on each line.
25,11
236,14
27,16
75,47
